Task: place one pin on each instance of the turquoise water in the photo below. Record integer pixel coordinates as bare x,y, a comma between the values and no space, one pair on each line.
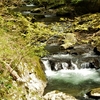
74,82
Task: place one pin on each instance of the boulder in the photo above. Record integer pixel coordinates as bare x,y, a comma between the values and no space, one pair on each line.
94,93
70,40
53,44
57,95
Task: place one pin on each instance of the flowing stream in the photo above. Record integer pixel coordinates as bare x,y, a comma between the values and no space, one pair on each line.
71,74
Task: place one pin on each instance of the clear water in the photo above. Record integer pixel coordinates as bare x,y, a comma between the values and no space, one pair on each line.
75,82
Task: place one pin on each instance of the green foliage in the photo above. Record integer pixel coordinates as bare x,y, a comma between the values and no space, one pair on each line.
18,42
96,40
5,84
11,2
88,21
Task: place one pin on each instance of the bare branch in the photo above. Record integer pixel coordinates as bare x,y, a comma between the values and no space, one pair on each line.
12,72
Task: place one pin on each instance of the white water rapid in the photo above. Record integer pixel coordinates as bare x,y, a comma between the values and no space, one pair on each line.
74,80
74,76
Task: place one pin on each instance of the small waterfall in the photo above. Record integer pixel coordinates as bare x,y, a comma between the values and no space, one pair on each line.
46,63
65,65
58,62
74,65
70,74
56,66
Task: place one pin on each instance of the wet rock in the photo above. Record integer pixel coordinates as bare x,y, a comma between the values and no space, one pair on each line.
88,65
53,44
53,48
96,63
59,43
81,49
94,93
56,95
96,51
90,61
61,57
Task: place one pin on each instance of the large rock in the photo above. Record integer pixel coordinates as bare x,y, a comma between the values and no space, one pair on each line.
32,80
94,93
56,95
53,44
70,40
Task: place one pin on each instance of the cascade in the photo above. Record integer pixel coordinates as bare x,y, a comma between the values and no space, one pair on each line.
46,64
65,65
75,75
59,62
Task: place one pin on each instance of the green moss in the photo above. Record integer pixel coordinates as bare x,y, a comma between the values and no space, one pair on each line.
38,69
96,40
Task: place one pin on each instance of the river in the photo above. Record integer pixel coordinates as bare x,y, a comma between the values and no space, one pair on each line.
76,81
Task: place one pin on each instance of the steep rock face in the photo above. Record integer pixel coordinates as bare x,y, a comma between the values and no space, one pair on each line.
56,95
31,79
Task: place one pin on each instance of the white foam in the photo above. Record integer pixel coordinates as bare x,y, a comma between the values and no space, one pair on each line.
75,76
46,64
30,5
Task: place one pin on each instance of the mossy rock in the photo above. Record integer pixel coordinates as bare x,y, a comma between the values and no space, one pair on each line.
69,40
57,95
95,92
38,69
